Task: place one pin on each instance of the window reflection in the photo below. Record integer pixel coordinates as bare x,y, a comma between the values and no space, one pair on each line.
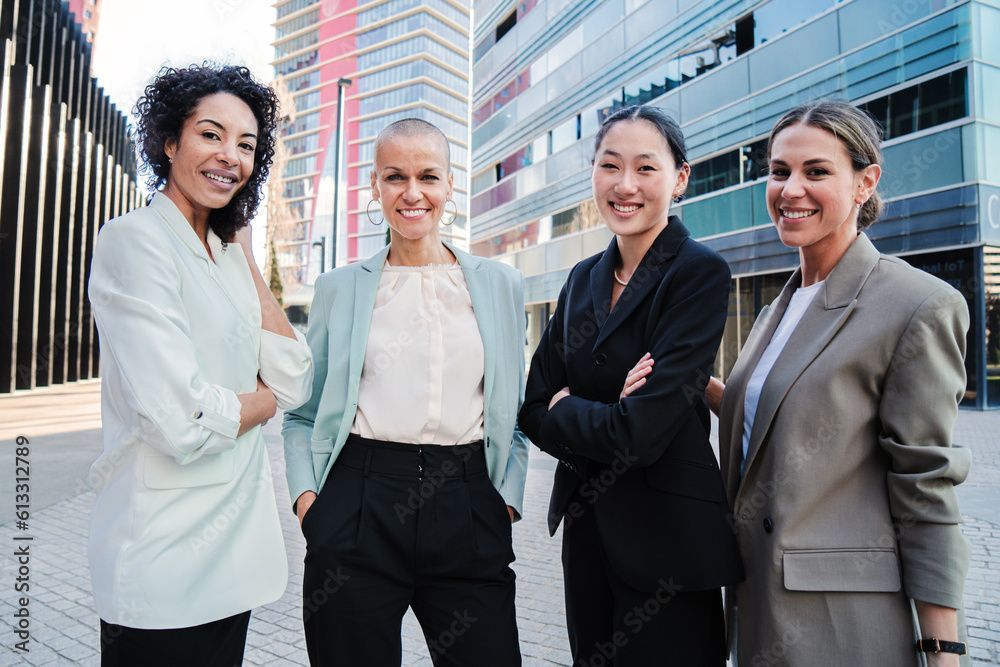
933,102
715,173
775,18
991,261
765,23
958,268
747,298
502,98
576,219
565,134
755,160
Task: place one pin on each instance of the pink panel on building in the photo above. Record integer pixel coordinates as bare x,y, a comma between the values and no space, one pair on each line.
333,50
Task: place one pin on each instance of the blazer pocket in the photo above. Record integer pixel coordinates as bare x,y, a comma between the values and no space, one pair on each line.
841,570
682,478
164,472
321,449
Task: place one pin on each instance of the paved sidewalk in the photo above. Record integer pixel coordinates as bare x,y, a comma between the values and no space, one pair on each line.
64,625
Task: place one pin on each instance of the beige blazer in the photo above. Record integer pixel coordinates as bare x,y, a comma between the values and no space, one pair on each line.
846,509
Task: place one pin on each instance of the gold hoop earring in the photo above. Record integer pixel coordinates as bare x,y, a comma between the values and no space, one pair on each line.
454,216
368,213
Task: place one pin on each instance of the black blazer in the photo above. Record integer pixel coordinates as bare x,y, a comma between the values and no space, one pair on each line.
644,463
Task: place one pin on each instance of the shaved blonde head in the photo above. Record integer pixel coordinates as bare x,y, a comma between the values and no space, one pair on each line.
414,127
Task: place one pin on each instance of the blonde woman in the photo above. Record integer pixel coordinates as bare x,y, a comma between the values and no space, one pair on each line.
836,425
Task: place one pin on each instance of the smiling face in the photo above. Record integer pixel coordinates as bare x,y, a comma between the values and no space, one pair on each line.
813,190
635,178
214,156
412,182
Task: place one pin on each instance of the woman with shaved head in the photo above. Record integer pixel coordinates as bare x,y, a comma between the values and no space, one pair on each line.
406,468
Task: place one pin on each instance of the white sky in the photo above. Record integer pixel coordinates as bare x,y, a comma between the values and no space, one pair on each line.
137,37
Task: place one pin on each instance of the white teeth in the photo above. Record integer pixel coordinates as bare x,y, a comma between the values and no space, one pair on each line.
624,209
413,213
220,179
795,215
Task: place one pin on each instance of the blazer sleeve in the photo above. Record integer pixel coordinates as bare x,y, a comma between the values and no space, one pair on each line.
546,376
297,424
286,367
136,298
684,343
512,487
924,383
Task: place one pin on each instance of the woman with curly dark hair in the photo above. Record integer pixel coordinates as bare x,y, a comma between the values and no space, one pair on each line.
197,355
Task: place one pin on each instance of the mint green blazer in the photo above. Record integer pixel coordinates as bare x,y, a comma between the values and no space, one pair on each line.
341,314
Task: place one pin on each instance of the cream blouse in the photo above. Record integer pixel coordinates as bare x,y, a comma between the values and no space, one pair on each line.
422,381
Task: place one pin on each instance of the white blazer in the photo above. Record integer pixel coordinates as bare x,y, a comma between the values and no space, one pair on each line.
184,528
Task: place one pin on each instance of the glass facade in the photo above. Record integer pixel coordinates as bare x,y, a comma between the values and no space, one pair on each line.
404,59
410,24
991,329
960,269
449,55
726,72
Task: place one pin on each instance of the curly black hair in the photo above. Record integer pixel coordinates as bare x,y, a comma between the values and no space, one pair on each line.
172,97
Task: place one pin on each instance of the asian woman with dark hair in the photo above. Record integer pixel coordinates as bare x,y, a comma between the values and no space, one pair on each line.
646,543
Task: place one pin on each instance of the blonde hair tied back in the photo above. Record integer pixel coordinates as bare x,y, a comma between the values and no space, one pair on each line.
858,133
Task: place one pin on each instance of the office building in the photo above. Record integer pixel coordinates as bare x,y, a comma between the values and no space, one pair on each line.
547,72
88,15
403,58
66,167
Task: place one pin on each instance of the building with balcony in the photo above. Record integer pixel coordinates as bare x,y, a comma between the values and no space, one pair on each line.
546,72
67,166
404,58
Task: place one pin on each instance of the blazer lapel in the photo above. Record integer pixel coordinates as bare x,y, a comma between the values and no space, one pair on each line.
732,399
822,320
646,277
244,301
178,224
600,282
365,289
481,292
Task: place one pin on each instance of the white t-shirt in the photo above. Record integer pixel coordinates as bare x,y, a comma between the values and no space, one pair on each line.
796,309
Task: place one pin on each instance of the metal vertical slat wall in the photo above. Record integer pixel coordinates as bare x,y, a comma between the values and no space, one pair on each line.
66,167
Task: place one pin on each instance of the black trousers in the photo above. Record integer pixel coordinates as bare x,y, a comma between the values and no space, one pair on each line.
611,624
216,644
401,525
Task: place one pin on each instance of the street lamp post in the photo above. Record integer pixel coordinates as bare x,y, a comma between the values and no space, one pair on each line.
335,248
322,252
